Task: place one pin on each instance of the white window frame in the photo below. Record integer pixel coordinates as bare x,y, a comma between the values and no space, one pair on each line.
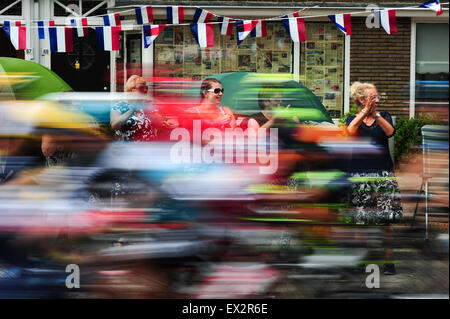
347,43
412,77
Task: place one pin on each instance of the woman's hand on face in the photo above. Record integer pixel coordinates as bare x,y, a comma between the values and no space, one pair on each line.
370,105
373,105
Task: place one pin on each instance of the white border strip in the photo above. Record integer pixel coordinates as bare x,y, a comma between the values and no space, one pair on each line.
347,43
296,61
412,74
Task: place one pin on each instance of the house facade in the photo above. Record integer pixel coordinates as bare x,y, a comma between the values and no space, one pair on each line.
410,67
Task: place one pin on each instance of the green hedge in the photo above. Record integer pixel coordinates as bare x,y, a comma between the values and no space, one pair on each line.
408,134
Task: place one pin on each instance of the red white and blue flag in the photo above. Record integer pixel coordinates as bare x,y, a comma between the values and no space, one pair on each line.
81,26
43,28
292,15
203,34
112,20
7,25
343,22
388,21
296,28
16,33
108,38
260,30
175,15
243,29
226,27
61,39
202,16
434,5
150,32
144,15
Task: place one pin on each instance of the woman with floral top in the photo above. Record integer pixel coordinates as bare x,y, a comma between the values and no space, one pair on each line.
129,120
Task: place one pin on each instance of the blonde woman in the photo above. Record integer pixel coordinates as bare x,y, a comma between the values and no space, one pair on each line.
129,121
375,194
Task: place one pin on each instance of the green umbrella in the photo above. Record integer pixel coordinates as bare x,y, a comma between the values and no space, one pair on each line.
28,80
242,90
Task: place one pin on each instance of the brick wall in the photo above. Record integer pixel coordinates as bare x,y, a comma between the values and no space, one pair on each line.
383,60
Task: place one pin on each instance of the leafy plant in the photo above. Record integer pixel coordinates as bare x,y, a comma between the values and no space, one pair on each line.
353,111
408,134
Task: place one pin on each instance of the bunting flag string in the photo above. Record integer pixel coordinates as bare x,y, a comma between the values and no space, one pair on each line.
108,38
112,20
61,39
203,34
202,16
343,22
260,30
7,26
292,22
81,26
43,28
175,15
144,15
226,26
243,29
388,21
434,5
18,36
150,33
16,33
296,28
291,15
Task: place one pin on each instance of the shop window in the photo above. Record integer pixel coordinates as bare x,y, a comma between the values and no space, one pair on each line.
15,10
134,54
431,65
177,54
120,65
322,65
128,58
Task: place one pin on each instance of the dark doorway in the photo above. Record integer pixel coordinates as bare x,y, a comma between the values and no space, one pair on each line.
86,68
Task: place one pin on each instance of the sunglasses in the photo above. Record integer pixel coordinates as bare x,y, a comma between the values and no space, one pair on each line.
216,90
142,88
379,97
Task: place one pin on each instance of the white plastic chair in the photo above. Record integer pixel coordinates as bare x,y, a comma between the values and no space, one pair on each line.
435,166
